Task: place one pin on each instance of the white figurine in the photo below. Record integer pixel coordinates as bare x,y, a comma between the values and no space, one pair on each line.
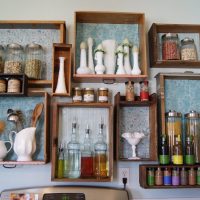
120,57
99,68
127,65
133,139
136,70
83,69
90,57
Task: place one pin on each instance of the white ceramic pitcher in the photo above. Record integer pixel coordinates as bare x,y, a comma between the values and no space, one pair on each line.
3,149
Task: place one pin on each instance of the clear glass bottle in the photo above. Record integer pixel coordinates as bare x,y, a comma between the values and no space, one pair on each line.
188,49
164,151
170,47
87,158
34,60
177,158
74,158
60,161
14,60
189,151
2,54
100,147
167,179
183,176
192,176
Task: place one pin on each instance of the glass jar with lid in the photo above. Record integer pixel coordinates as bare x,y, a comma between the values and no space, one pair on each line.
14,59
88,95
188,49
170,47
34,60
1,59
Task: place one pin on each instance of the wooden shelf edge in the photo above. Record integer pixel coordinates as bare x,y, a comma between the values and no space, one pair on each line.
23,162
39,83
82,179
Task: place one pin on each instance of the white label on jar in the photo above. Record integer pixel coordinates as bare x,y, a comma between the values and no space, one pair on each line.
103,98
88,97
77,98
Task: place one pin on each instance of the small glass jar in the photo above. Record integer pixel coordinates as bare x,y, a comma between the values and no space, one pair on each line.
144,91
3,84
77,95
188,49
1,59
14,85
34,60
103,95
14,59
130,91
88,95
170,47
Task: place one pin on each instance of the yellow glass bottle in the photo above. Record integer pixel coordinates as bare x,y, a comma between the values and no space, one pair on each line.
177,158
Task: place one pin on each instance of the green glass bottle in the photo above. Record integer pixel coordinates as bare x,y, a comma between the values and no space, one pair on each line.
189,151
60,161
164,151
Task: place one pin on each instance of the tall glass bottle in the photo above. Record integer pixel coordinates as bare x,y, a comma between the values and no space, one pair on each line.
74,159
177,152
164,151
60,161
87,156
189,151
100,147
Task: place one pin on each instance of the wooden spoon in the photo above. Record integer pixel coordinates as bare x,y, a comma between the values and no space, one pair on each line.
36,114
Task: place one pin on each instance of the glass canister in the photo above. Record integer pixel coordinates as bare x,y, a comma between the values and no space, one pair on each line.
14,59
188,49
170,47
193,129
34,60
173,124
1,59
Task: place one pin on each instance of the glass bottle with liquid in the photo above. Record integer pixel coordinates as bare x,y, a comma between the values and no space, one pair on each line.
151,177
60,161
100,160
74,158
87,156
164,151
189,151
177,158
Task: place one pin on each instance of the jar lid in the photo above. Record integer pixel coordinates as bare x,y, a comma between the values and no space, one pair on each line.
145,82
88,88
103,88
170,35
173,113
192,114
14,46
187,40
77,88
33,46
129,82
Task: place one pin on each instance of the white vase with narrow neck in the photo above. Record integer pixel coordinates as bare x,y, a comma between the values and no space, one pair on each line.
127,65
136,70
61,86
99,68
90,56
120,69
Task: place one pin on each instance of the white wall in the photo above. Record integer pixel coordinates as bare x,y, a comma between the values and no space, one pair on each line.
170,11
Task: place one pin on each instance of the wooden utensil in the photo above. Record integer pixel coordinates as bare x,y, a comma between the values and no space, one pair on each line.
36,114
2,126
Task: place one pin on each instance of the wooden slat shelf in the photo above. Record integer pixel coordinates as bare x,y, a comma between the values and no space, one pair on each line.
39,83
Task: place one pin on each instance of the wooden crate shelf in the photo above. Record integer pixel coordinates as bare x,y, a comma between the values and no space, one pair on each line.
126,120
133,23
64,114
183,30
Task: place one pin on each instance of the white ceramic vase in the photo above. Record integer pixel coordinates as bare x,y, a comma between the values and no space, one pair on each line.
99,68
61,86
109,57
120,64
90,56
136,70
127,65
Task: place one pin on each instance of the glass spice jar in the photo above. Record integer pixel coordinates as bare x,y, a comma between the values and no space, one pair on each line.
34,60
103,95
3,84
77,95
170,47
130,91
14,85
144,91
188,49
14,59
1,59
88,95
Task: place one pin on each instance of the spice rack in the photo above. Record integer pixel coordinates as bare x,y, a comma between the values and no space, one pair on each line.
136,116
23,81
143,176
44,33
183,30
110,23
63,114
62,50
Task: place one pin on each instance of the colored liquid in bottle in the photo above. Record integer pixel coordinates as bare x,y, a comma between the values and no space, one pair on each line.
100,165
87,166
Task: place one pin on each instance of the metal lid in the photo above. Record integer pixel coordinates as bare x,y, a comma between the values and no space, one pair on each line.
88,88
192,114
129,82
173,113
187,40
103,88
33,46
170,35
14,46
77,88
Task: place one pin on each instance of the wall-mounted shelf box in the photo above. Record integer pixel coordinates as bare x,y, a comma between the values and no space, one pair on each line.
110,25
44,33
85,113
155,50
136,116
62,50
23,84
26,106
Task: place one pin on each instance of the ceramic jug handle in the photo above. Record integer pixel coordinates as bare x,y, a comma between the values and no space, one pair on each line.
11,145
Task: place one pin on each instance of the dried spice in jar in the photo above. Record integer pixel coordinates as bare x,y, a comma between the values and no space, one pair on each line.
14,59
144,91
14,85
1,59
188,49
170,47
3,84
77,94
130,91
103,95
34,60
88,95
